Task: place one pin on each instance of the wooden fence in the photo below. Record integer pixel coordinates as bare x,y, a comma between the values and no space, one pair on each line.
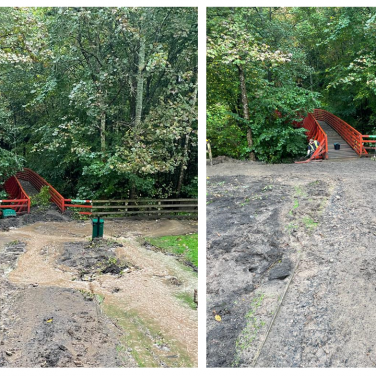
170,208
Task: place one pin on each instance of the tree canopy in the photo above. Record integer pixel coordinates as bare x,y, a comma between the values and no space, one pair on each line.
102,102
269,66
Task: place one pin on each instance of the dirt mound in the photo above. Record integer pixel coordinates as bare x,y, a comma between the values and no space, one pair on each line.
93,258
225,159
50,214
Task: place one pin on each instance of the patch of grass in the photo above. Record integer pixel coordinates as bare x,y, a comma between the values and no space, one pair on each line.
310,223
314,182
267,188
296,205
291,226
143,337
186,245
13,242
299,191
246,201
187,299
249,333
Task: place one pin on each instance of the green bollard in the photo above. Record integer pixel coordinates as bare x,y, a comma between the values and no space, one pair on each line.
98,225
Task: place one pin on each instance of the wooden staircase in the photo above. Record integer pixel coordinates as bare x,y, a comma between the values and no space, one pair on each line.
346,151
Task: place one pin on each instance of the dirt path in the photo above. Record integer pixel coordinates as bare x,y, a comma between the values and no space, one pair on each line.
304,233
141,321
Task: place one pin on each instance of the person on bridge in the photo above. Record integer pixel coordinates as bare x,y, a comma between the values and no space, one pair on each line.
312,146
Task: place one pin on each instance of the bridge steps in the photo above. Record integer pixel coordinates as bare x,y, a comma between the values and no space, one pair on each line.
345,151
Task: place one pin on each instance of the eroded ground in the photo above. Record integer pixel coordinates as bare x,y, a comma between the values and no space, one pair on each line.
66,302
291,269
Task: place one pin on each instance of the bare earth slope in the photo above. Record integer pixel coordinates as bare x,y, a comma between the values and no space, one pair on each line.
291,264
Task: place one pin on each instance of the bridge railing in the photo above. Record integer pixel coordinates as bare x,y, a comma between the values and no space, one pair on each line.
353,137
315,131
19,200
369,143
75,203
38,182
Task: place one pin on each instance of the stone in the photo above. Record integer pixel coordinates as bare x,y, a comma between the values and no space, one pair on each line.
281,271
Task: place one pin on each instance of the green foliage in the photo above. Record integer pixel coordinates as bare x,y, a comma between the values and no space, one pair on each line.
3,195
224,133
256,41
42,199
191,190
73,80
294,59
9,164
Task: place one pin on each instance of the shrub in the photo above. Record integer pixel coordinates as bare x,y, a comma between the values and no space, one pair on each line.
42,199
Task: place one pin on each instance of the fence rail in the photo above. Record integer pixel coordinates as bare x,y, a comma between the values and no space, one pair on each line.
144,207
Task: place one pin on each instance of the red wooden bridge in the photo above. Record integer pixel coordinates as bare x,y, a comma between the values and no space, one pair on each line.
329,129
19,200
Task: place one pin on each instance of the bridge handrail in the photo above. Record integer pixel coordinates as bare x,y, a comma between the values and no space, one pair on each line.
38,182
353,137
316,132
19,200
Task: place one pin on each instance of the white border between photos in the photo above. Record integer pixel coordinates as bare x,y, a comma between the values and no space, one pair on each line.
202,189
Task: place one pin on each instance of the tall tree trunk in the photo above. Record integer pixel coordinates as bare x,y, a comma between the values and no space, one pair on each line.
244,96
183,166
139,97
103,132
140,83
184,163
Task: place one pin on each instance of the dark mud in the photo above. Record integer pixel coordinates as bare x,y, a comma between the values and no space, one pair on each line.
66,330
50,214
244,237
90,259
9,256
301,254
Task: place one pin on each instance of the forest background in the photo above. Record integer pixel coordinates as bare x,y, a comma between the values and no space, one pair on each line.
268,67
102,102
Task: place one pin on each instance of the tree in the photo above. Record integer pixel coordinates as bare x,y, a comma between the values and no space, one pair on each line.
106,98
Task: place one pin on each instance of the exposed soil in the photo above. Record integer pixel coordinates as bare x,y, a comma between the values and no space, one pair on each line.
290,265
68,302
